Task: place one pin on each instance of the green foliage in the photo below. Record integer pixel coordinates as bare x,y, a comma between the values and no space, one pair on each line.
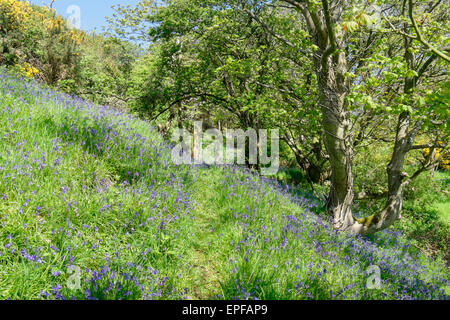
105,69
291,176
241,64
95,196
209,60
425,219
426,214
37,42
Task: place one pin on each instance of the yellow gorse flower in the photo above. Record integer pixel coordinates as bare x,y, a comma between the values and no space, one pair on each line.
444,156
22,17
16,11
28,70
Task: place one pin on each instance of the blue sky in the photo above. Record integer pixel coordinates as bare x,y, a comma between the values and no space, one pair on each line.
92,12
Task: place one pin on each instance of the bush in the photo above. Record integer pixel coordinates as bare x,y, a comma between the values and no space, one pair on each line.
36,42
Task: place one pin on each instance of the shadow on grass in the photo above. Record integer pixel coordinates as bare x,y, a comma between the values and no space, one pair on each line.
101,140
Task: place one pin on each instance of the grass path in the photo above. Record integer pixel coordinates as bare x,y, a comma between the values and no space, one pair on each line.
214,231
206,271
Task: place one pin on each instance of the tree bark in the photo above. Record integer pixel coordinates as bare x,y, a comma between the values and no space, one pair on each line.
404,140
337,140
332,65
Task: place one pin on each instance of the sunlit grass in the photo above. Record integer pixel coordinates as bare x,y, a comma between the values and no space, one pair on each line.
89,187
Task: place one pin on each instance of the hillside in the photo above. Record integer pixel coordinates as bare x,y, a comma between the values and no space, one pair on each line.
88,187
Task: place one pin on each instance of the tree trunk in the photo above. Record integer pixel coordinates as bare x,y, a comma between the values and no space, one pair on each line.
392,210
333,89
315,171
404,140
339,147
336,139
331,64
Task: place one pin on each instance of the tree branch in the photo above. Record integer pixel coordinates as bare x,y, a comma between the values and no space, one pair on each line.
274,34
420,37
331,35
427,146
370,196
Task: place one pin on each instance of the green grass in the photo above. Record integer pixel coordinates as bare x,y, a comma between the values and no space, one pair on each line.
89,187
426,214
441,201
443,209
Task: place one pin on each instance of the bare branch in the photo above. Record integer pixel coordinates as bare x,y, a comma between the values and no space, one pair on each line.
428,146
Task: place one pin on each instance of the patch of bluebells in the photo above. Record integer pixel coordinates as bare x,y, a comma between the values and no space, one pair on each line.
296,255
328,264
141,201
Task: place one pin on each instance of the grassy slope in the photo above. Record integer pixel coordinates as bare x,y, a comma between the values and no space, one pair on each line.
426,214
90,187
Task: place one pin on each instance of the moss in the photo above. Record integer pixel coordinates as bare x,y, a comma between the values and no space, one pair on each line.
368,221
